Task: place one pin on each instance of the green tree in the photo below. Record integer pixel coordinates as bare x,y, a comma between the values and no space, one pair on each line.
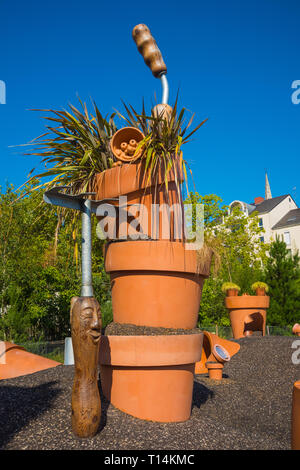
235,239
39,269
282,275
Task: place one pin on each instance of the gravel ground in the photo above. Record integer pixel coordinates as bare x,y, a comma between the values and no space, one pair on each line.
127,329
249,409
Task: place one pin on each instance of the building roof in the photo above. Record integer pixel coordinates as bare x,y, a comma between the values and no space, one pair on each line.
268,204
291,218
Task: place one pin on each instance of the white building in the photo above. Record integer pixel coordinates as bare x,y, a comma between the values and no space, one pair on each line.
277,215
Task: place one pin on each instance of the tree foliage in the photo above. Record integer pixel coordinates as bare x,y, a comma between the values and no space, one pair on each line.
282,275
38,279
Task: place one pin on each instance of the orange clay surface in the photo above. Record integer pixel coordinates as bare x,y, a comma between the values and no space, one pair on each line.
247,313
131,180
124,143
155,283
150,377
16,361
215,370
296,417
210,340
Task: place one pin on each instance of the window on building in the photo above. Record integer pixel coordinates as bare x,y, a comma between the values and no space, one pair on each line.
287,238
260,222
262,239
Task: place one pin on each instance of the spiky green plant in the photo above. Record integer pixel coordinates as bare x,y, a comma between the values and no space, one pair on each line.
76,146
164,137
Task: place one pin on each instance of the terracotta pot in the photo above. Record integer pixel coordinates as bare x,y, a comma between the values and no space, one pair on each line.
232,292
296,417
155,283
260,291
16,361
150,377
247,313
211,352
296,329
131,180
215,370
125,136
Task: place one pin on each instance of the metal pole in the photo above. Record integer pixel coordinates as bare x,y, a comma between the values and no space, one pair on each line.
86,286
165,88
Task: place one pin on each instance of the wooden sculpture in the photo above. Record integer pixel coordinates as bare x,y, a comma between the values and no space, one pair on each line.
86,331
147,46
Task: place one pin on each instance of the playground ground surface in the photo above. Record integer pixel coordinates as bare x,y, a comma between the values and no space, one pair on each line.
249,409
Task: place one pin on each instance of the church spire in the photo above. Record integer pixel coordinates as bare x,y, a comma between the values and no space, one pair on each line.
268,194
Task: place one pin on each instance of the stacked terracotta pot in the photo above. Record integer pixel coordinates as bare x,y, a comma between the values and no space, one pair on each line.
248,313
154,283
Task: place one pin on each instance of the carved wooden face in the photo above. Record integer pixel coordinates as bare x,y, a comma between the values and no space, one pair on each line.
86,318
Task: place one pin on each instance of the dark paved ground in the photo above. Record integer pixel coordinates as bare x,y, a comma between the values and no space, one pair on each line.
249,409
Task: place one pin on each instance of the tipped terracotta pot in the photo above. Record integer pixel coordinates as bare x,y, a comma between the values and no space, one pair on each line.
16,361
296,329
211,351
247,314
155,283
296,417
150,377
124,142
215,370
131,180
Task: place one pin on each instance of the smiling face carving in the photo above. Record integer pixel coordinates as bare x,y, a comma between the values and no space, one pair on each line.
86,318
86,331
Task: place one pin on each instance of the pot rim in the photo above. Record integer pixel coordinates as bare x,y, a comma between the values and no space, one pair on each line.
247,301
150,351
153,255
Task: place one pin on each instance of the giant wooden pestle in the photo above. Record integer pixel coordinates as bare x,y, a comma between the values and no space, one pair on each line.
86,331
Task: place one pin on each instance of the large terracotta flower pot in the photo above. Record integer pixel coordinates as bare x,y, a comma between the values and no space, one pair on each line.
155,283
131,180
16,361
211,351
247,314
150,377
296,417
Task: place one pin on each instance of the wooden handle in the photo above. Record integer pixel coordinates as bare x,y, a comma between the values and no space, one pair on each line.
148,48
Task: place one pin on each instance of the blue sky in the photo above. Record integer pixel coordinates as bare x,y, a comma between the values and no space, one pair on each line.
234,62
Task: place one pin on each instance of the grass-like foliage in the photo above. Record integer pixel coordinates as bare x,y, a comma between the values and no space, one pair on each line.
164,136
230,285
74,149
259,285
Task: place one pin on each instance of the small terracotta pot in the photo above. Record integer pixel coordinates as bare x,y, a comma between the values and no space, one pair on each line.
210,351
150,377
260,291
232,292
126,134
247,314
296,329
131,180
155,283
215,370
296,417
16,361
